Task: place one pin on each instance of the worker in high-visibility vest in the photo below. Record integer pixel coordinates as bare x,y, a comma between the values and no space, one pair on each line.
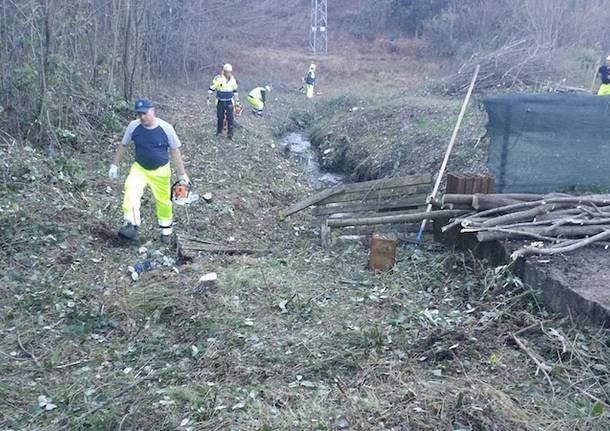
215,81
257,98
604,76
310,81
225,87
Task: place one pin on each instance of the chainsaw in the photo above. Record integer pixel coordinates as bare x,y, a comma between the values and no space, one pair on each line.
181,193
237,110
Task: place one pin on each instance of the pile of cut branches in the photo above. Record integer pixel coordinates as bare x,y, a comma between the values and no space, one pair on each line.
559,223
513,64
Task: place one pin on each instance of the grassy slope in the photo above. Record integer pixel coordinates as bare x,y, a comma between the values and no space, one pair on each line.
297,339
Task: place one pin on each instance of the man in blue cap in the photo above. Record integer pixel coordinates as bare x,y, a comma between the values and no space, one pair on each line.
154,140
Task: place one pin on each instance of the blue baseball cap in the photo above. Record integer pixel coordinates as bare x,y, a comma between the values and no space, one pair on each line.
143,105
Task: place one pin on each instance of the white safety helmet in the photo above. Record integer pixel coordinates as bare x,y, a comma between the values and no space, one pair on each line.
227,68
608,58
267,87
312,67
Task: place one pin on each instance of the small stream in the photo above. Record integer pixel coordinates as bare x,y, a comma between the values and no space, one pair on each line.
300,148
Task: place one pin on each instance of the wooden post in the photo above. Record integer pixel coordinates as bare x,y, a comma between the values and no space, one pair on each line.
325,235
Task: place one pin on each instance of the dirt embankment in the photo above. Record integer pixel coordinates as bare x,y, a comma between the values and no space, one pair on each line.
373,138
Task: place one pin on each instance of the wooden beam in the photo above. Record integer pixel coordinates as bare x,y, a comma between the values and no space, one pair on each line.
381,205
361,191
311,200
377,195
222,249
401,218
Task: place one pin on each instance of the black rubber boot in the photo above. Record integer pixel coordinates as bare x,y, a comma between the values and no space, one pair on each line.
129,232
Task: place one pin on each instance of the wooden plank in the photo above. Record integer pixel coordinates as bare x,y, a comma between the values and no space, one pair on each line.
341,215
461,185
469,184
372,195
452,182
387,183
402,218
491,187
325,235
362,187
311,200
477,186
381,205
401,228
211,248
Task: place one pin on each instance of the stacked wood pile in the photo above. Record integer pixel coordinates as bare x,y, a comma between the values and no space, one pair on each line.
396,200
558,223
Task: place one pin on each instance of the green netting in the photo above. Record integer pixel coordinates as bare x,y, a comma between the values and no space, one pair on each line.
549,142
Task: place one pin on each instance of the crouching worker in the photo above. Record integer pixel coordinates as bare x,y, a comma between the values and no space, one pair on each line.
257,98
154,140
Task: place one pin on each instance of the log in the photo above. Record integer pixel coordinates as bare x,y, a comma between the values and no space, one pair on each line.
500,233
360,191
390,204
373,195
486,202
456,199
404,218
523,197
576,221
557,250
456,222
388,183
509,208
596,211
523,215
365,214
590,199
488,235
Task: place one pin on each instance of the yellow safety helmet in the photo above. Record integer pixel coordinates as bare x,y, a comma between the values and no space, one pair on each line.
227,68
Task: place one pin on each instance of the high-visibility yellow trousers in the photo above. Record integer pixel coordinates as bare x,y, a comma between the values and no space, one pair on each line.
257,104
604,90
159,181
309,90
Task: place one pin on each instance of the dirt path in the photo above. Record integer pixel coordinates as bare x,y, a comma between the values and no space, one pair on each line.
294,340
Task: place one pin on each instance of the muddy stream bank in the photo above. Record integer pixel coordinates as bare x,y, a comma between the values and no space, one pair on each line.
299,148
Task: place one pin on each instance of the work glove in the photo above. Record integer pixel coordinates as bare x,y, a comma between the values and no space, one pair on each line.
184,179
113,172
208,102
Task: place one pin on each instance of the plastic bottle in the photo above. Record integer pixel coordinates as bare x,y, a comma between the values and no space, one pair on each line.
140,267
145,265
